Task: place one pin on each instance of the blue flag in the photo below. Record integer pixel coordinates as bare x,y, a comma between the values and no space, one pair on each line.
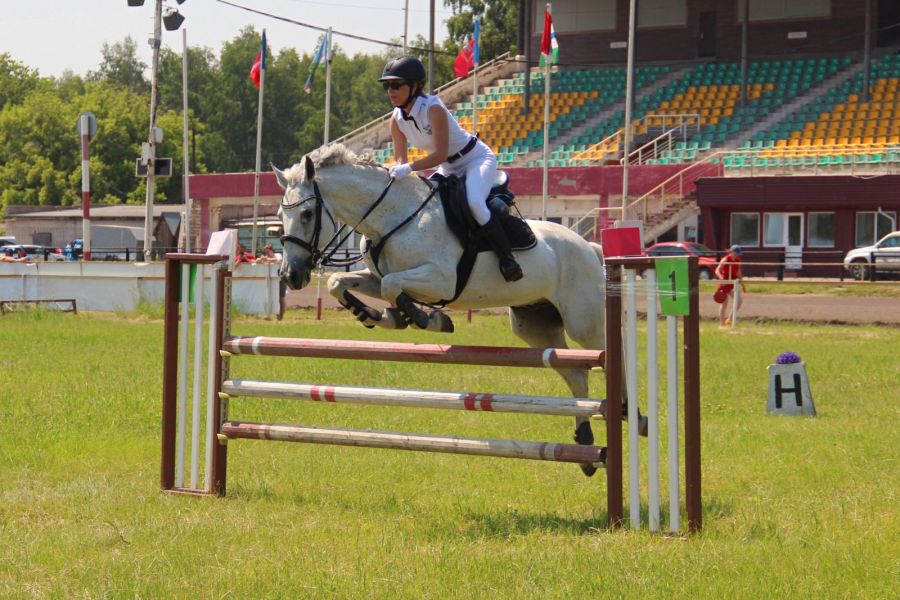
476,50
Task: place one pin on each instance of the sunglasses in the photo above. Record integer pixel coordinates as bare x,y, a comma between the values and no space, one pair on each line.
393,85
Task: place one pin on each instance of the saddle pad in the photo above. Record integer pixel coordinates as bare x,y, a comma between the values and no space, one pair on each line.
520,235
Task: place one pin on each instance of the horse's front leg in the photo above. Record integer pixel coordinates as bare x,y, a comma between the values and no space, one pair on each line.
425,281
366,283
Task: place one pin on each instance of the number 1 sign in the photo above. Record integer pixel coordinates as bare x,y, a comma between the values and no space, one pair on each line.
673,287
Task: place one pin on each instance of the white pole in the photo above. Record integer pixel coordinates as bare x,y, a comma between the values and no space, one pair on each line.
186,225
328,86
155,43
545,189
212,357
475,88
734,305
672,392
405,27
182,374
475,99
259,123
652,404
198,368
631,386
85,187
629,93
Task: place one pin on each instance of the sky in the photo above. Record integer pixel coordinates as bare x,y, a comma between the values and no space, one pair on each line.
53,36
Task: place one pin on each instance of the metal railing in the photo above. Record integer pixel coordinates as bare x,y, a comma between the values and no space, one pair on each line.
379,121
612,145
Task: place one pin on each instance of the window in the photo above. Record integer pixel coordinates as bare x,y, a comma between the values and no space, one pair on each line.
661,13
821,230
745,229
774,228
781,10
872,226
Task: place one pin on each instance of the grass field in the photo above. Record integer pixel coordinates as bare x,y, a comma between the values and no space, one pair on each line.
802,507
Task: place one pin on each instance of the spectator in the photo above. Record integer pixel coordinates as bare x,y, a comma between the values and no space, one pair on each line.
8,255
243,255
21,255
270,256
730,269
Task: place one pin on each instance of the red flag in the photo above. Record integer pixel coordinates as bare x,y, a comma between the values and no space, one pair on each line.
260,62
464,60
254,70
545,38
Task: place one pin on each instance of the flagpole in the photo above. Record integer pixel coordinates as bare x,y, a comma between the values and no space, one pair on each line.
629,94
475,59
328,86
259,121
545,188
186,225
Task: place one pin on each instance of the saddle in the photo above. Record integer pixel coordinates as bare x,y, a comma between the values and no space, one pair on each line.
452,191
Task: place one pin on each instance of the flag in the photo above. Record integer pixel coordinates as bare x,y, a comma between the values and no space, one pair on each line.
260,63
476,48
549,47
316,62
464,63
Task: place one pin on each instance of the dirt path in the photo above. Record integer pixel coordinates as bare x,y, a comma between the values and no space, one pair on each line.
798,308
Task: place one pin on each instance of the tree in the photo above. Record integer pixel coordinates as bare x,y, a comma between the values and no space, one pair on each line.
16,80
499,24
121,66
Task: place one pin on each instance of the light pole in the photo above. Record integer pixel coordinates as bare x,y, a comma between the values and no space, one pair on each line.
153,138
173,21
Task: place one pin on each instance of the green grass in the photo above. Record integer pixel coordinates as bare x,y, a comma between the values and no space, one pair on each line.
793,507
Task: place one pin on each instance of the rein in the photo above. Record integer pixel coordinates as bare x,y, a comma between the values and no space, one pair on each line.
319,258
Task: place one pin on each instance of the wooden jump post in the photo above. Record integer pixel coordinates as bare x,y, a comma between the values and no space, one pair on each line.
221,389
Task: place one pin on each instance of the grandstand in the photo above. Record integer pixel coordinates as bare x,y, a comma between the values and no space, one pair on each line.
706,158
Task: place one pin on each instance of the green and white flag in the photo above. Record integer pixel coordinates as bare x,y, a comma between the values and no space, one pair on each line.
549,46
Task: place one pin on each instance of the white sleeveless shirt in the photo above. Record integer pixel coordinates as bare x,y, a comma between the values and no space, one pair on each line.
417,127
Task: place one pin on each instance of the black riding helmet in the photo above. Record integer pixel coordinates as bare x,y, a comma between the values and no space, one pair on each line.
406,68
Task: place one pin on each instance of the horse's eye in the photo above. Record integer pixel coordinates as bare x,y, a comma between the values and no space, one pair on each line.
306,216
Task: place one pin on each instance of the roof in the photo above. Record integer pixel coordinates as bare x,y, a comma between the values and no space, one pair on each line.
103,211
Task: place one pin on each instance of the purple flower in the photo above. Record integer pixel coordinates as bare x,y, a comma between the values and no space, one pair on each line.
787,358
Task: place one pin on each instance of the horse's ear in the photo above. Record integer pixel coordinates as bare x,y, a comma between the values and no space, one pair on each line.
280,177
310,168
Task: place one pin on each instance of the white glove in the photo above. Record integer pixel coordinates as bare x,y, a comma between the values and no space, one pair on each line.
400,171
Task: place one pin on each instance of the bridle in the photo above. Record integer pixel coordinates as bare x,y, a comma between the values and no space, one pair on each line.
323,258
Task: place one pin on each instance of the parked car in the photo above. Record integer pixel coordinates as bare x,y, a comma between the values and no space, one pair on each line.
36,253
707,256
884,255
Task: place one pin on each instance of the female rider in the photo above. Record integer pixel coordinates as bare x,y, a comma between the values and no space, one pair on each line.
424,121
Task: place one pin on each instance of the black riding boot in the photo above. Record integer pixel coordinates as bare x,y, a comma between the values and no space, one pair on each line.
493,232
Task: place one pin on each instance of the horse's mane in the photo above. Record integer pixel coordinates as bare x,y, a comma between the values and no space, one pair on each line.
330,155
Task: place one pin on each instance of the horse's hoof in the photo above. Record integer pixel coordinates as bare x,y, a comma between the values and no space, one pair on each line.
584,435
588,469
440,322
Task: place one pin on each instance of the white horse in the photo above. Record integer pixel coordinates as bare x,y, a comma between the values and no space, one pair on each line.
562,291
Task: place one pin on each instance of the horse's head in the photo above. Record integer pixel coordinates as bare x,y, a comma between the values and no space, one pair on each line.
308,225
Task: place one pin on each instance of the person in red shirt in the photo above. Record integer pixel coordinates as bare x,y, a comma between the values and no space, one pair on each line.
730,269
243,255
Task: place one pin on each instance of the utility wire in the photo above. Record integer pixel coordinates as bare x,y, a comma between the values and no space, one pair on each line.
334,32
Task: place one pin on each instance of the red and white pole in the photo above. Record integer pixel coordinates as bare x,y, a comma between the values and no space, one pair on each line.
85,186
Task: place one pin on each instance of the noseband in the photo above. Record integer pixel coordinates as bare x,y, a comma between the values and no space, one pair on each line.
318,257
312,246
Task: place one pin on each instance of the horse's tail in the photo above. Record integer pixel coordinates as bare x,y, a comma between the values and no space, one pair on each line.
598,250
